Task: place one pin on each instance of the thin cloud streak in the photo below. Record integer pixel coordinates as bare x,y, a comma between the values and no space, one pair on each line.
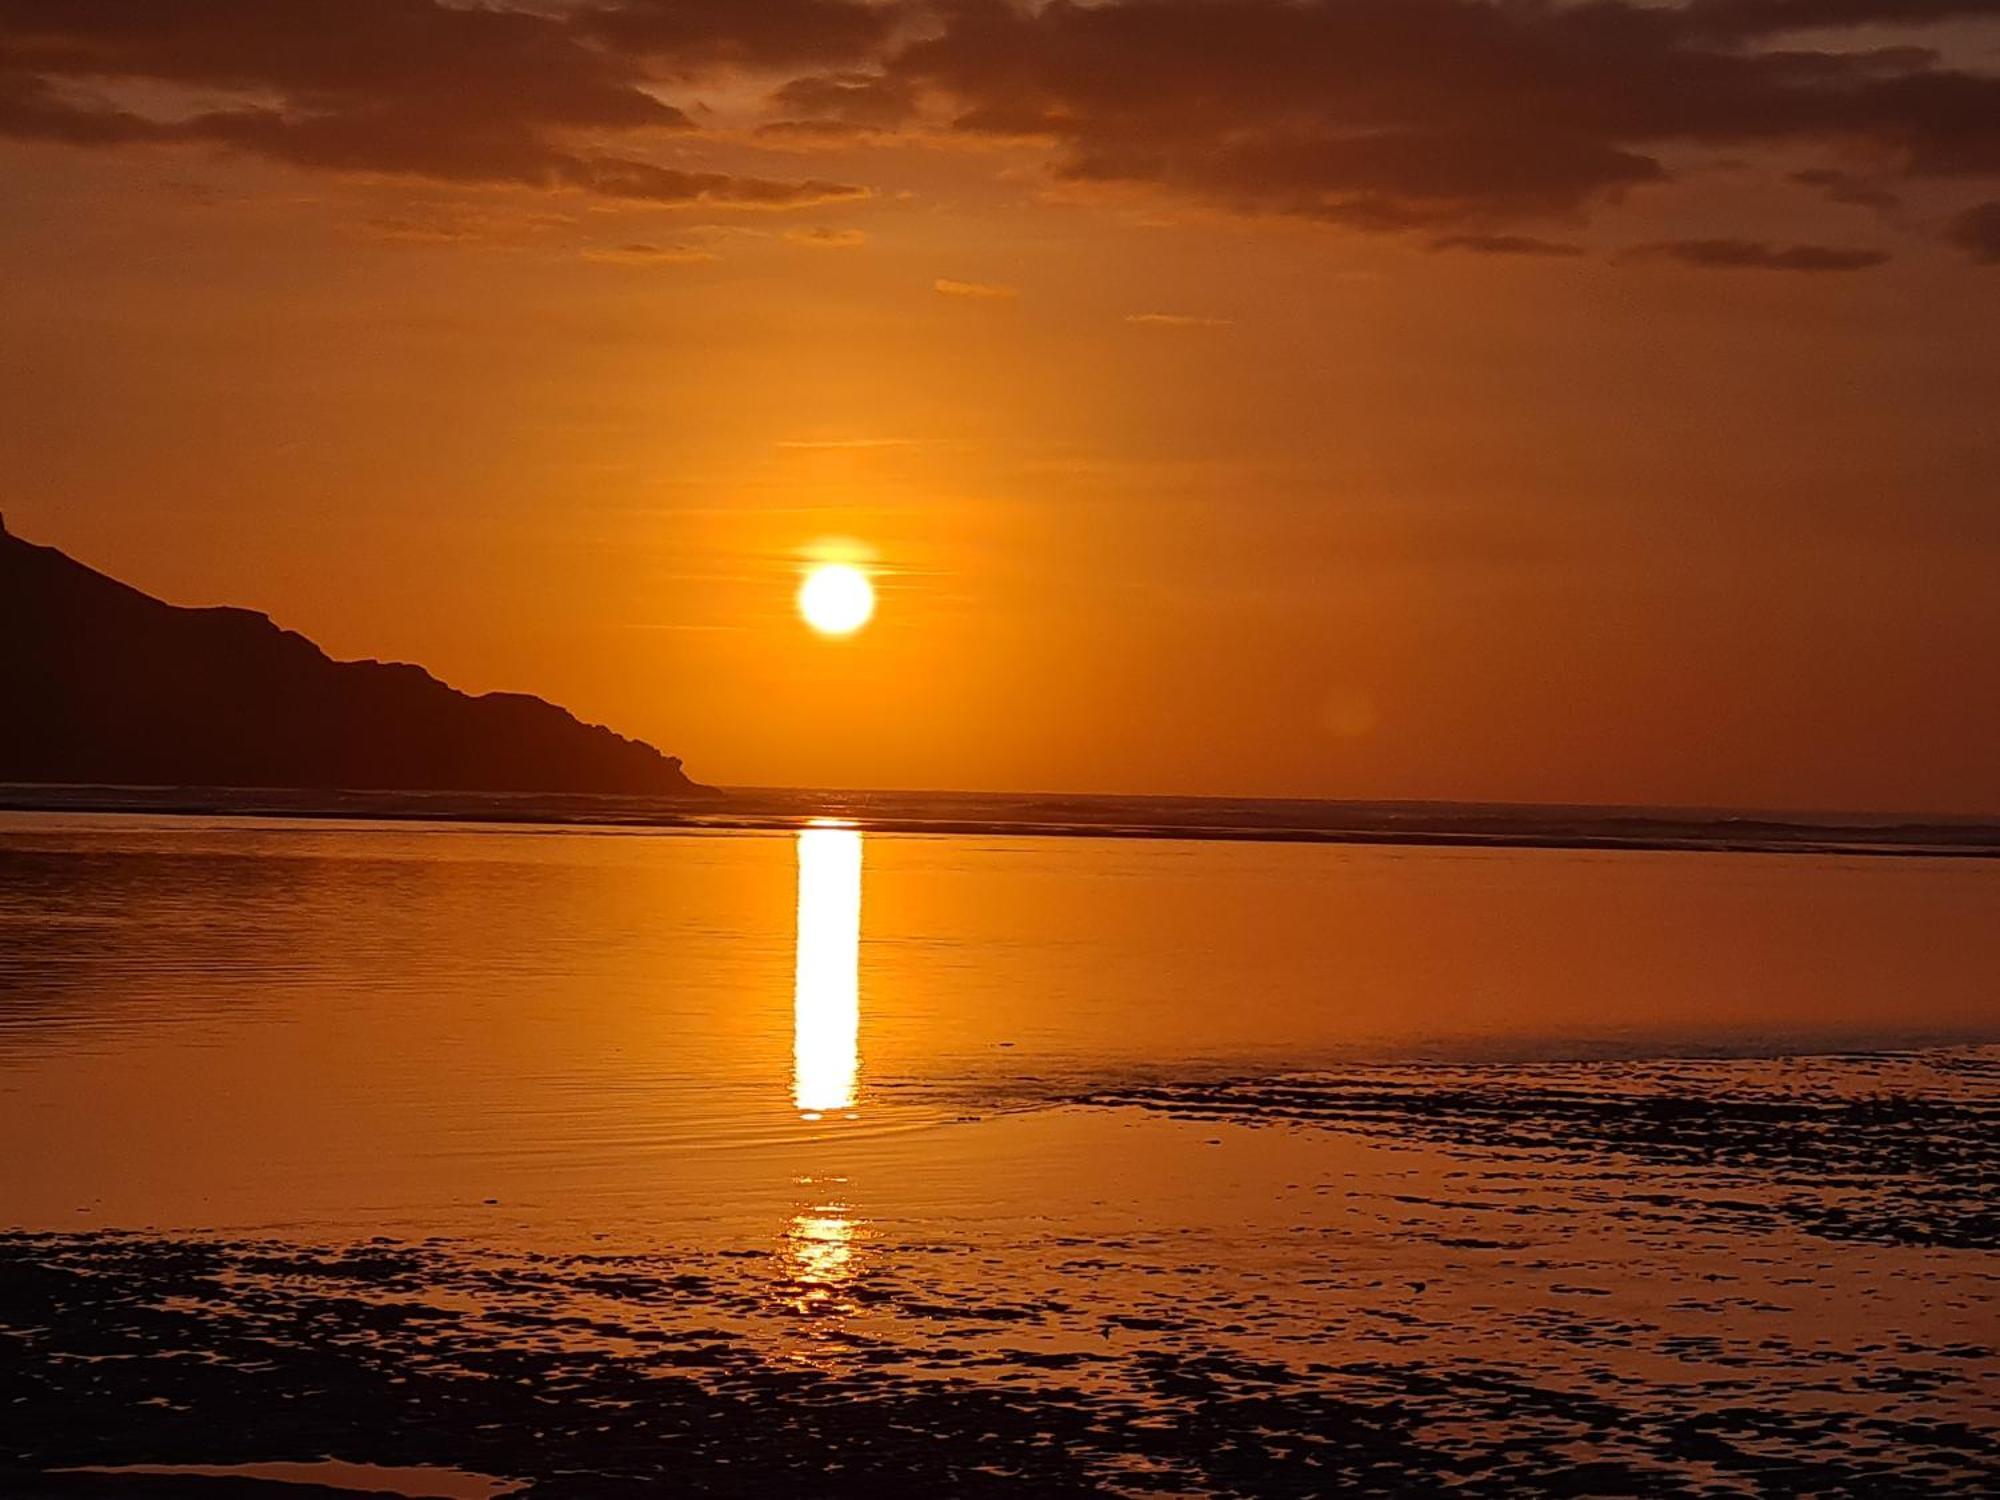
1506,244
975,291
1752,255
648,255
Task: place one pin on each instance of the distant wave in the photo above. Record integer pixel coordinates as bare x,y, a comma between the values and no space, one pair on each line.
995,814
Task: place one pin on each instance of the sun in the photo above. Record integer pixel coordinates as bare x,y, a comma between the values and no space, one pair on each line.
836,599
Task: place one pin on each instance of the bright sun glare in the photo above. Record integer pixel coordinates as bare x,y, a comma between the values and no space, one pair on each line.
836,599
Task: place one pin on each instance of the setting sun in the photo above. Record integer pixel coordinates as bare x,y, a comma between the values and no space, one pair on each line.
836,599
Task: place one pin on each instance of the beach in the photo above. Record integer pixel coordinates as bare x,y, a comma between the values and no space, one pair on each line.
585,1161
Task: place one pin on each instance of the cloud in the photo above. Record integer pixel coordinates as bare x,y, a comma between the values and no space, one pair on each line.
1977,231
455,93
1177,320
345,60
31,110
453,224
1450,117
744,33
1739,19
1849,188
1754,255
1505,244
975,291
844,103
1473,123
828,239
404,230
640,181
648,255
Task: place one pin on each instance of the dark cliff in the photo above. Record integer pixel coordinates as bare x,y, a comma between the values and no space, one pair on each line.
100,683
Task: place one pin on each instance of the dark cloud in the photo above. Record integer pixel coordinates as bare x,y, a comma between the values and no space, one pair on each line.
1847,187
1505,244
31,110
1403,177
748,33
1455,119
1761,18
472,94
1977,231
1754,255
845,102
1418,114
339,56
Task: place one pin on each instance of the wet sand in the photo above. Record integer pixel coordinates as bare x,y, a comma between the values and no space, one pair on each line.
1703,1277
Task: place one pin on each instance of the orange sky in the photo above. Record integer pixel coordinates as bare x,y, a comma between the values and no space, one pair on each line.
1358,399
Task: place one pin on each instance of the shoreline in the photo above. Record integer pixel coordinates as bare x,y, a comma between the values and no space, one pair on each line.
755,812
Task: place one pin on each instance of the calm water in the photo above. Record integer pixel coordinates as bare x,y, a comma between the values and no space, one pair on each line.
205,1024
1140,1166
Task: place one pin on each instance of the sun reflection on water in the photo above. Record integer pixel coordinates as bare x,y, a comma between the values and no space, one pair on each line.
826,1005
821,1243
822,1260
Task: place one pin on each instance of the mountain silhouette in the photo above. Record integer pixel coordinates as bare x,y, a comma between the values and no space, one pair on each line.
103,685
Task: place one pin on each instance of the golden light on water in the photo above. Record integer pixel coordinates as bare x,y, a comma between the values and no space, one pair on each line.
821,1246
826,995
822,1259
837,598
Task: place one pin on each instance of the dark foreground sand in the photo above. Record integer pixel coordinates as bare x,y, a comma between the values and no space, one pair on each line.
1672,1279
